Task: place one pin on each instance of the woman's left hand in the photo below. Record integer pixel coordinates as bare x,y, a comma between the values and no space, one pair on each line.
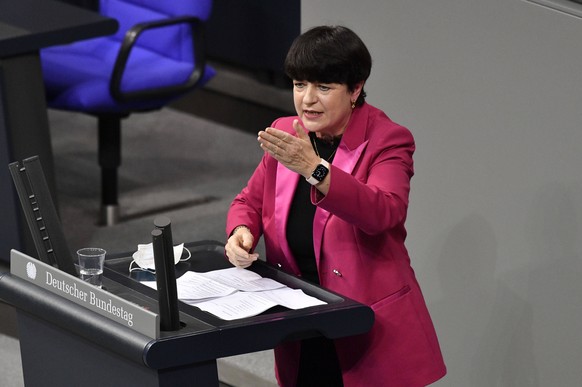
295,153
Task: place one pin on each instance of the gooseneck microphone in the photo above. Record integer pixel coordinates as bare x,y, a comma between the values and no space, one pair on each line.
165,275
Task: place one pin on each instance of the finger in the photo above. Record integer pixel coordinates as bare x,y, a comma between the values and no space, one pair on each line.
267,140
277,134
241,248
279,138
299,130
247,241
269,147
244,265
234,247
252,258
245,261
240,252
238,260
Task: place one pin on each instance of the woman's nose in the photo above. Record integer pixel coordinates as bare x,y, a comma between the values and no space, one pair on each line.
310,96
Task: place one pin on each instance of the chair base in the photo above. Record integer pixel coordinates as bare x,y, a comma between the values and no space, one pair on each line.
110,214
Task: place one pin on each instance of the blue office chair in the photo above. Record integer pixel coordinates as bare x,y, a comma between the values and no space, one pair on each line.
156,56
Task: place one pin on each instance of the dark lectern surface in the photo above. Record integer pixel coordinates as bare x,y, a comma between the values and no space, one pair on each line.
29,25
65,342
220,338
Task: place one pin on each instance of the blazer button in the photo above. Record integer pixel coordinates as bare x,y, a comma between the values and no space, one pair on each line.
337,272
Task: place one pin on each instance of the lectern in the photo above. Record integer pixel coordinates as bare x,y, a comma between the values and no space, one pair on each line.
73,334
70,345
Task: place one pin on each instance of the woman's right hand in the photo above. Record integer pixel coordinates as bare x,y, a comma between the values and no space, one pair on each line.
238,246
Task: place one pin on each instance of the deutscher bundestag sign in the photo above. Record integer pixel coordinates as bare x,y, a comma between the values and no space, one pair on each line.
80,292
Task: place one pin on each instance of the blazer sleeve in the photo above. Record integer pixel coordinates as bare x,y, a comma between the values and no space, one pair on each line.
248,206
374,197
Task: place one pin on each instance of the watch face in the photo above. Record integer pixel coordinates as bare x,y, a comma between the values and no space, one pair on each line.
320,172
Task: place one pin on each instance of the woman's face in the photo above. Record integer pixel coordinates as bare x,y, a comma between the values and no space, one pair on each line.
324,108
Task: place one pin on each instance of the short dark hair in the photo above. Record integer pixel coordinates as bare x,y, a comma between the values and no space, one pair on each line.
329,54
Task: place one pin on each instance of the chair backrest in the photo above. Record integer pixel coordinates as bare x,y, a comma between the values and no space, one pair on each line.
131,12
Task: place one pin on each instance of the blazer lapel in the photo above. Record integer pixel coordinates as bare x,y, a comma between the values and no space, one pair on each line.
349,152
345,160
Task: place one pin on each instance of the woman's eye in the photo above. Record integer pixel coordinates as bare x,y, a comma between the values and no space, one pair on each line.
299,85
323,88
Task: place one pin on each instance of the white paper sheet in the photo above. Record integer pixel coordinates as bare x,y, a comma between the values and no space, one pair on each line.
235,293
243,279
193,286
291,298
237,305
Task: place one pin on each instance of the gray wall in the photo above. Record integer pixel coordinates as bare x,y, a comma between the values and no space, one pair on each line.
492,91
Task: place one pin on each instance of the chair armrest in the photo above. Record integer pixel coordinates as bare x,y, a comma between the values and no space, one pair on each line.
128,43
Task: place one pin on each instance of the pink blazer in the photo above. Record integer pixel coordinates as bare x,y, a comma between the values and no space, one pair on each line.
359,246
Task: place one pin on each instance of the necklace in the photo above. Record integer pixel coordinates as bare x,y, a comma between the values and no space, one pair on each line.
314,144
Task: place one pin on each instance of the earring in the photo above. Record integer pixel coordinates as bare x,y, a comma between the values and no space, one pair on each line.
353,104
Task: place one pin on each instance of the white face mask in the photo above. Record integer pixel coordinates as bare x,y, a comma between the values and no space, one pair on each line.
144,256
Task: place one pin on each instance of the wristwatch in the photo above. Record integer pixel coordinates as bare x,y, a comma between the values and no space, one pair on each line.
319,173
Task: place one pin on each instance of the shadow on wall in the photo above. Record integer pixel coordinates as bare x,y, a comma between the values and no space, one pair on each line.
554,282
485,327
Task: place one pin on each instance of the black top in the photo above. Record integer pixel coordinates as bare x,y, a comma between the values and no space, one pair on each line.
300,223
318,363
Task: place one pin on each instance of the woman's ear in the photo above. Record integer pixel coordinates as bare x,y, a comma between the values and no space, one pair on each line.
357,91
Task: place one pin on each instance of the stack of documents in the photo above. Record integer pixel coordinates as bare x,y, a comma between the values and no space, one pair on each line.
235,293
